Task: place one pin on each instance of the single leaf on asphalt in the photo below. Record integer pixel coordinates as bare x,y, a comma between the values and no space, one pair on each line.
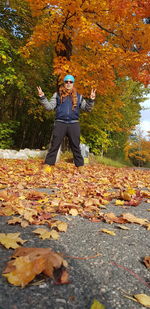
108,232
11,240
24,270
15,220
147,261
54,234
30,262
73,212
97,305
122,227
143,299
44,233
110,217
62,226
131,218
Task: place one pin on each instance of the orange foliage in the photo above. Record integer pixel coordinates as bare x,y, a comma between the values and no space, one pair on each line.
138,151
99,36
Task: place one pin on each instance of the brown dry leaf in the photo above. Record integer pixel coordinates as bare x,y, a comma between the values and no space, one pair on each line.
147,261
143,299
11,240
28,214
110,217
43,233
3,195
88,202
125,195
30,262
122,227
133,219
108,232
24,270
15,220
35,195
7,211
73,212
145,193
81,195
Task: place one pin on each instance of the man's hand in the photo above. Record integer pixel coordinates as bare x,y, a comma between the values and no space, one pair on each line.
93,94
40,92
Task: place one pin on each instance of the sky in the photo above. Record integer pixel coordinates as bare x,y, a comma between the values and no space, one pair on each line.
145,117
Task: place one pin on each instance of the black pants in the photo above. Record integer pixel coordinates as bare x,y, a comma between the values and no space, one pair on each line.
72,131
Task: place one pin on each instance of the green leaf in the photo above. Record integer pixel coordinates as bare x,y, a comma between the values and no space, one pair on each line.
97,305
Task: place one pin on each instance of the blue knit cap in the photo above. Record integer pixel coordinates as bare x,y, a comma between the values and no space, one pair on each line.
69,77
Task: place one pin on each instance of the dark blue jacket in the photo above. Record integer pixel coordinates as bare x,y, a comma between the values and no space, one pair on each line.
65,111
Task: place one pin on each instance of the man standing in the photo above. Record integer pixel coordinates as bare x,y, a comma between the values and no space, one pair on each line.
67,104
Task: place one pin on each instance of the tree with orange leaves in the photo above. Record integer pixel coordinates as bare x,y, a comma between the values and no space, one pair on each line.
94,39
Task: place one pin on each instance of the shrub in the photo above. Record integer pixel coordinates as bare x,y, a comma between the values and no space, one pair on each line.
7,130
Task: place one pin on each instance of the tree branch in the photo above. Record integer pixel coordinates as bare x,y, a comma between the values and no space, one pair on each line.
101,27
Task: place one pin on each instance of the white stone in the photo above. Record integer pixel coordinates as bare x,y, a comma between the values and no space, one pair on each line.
23,154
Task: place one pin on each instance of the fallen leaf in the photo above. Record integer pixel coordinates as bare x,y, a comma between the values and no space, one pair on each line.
122,227
131,218
97,305
35,195
62,227
73,212
143,299
30,262
125,195
24,270
44,233
11,240
119,203
47,169
147,261
54,234
15,220
148,226
108,232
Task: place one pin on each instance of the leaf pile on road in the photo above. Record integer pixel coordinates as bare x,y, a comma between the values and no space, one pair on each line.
73,192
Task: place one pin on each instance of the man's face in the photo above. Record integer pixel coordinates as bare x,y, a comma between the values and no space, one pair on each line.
68,84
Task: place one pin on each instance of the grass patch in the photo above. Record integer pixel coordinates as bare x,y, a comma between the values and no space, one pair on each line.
107,161
93,159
